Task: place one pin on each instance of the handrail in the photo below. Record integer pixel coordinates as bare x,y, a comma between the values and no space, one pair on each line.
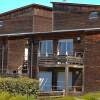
60,60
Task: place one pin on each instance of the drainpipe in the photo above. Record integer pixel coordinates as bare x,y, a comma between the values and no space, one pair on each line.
37,65
2,58
31,58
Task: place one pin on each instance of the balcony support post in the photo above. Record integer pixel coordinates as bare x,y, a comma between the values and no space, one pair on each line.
66,81
30,57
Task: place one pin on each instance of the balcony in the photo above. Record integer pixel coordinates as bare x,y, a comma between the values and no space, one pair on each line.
58,61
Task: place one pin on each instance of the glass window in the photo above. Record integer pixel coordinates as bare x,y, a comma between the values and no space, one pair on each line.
1,23
46,47
65,47
93,15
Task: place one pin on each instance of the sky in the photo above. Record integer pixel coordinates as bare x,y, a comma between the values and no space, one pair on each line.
7,5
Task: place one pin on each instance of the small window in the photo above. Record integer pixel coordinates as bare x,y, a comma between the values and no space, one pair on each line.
1,23
93,15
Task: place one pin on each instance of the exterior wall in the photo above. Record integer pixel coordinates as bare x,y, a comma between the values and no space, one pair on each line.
92,63
78,44
15,54
29,19
19,25
25,20
42,24
74,17
23,12
42,20
3,56
77,17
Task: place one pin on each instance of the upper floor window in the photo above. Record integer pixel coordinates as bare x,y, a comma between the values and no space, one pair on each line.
46,48
1,23
65,47
93,15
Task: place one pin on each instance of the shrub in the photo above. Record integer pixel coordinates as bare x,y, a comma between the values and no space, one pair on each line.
19,86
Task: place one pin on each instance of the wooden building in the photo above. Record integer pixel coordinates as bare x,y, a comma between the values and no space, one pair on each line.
59,46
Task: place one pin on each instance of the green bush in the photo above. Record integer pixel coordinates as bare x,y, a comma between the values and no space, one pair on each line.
19,86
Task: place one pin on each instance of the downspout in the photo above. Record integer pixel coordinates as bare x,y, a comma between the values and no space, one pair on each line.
2,58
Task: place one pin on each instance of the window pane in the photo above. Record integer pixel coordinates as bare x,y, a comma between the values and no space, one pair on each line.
46,47
62,47
70,46
50,47
65,47
42,48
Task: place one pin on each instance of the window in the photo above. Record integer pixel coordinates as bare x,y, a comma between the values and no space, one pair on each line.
65,47
93,15
26,54
1,23
46,48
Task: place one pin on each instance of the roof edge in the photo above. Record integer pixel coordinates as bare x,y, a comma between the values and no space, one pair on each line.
25,7
50,32
77,4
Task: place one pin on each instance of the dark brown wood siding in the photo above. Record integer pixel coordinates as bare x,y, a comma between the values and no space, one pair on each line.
92,63
68,17
3,56
17,25
15,54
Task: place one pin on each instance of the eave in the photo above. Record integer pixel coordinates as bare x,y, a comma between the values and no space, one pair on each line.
86,31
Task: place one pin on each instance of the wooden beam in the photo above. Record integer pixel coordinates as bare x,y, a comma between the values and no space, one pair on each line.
66,81
30,57
33,59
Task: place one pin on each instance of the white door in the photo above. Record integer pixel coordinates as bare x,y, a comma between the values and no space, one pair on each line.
45,81
60,80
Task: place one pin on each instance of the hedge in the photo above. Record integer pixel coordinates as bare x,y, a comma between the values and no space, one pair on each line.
22,86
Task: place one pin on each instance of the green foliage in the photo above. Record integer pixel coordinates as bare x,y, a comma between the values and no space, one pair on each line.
19,86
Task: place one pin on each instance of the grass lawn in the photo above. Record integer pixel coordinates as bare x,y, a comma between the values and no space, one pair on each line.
88,96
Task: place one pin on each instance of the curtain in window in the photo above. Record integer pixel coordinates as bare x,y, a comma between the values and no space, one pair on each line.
65,47
46,47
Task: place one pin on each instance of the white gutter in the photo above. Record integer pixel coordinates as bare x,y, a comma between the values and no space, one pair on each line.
56,31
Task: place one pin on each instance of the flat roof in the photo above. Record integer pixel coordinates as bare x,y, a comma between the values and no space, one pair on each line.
86,30
77,4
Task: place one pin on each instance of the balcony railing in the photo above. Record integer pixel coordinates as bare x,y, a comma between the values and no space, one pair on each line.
59,60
